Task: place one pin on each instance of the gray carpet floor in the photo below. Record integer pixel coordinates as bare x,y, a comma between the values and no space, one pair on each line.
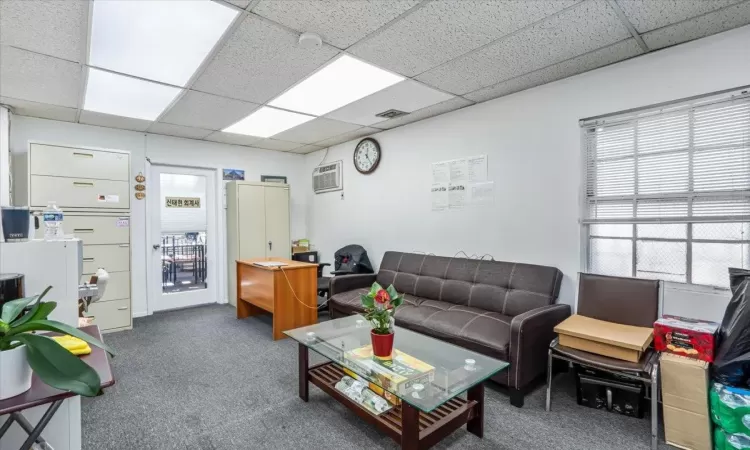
201,379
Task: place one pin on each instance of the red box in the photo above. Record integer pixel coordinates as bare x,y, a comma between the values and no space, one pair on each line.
686,337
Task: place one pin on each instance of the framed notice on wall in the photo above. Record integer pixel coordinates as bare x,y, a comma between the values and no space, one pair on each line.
183,202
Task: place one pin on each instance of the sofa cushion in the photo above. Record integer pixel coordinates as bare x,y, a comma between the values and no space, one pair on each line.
503,287
349,301
484,331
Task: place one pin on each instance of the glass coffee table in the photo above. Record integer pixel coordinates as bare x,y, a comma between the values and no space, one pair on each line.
425,375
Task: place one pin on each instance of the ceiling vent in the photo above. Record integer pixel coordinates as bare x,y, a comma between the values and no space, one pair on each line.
391,113
327,178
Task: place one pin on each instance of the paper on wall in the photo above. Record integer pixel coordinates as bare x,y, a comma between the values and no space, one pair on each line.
457,195
459,170
440,172
482,193
439,196
477,168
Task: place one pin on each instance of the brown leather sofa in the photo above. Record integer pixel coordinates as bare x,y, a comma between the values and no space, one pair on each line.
501,309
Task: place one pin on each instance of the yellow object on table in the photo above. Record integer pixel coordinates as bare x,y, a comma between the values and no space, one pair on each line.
74,345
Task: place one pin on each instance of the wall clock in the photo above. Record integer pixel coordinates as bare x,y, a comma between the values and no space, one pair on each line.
367,155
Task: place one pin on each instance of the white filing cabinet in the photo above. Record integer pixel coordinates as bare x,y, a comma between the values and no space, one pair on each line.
93,189
258,225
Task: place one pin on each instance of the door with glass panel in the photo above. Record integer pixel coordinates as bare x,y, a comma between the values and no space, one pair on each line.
182,237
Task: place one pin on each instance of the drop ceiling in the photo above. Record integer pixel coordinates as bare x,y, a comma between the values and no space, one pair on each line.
438,56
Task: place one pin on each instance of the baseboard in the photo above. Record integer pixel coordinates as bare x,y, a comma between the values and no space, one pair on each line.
140,314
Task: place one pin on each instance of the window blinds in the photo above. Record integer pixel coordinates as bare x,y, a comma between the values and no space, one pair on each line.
688,163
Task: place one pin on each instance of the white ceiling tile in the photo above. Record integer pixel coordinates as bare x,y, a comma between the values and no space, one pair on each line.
575,31
430,111
41,110
598,58
178,130
340,23
241,3
38,78
275,144
231,138
647,15
316,130
201,110
110,121
712,23
443,30
406,96
349,136
306,149
52,27
260,61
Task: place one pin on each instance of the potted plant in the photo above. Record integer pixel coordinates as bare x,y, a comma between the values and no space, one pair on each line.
22,351
380,304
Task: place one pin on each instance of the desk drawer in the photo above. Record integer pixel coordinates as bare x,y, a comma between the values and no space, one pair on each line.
78,163
113,258
109,315
79,192
118,287
94,230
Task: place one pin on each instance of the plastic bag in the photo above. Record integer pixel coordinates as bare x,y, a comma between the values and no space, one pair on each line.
732,362
730,408
726,441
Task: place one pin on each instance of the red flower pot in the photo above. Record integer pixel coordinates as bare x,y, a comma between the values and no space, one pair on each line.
382,344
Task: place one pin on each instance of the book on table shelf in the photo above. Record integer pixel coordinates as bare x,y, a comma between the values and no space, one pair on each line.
398,374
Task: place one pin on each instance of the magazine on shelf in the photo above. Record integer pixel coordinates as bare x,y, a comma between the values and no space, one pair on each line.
397,374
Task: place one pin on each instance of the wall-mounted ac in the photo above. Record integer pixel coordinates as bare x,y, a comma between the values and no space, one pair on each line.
328,177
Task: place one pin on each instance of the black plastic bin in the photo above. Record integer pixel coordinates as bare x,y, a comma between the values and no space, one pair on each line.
603,390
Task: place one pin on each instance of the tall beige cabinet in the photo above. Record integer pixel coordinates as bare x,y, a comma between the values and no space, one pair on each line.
92,187
258,225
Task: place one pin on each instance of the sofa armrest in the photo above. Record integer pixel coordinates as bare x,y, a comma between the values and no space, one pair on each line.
343,283
530,336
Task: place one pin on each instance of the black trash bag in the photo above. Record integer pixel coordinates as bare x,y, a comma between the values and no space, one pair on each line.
732,362
352,259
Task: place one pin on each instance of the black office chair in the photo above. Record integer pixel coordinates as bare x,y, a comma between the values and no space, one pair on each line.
348,260
312,257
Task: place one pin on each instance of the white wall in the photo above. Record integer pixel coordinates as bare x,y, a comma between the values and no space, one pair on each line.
534,147
4,157
169,150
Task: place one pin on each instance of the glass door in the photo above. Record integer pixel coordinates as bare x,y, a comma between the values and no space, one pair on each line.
182,223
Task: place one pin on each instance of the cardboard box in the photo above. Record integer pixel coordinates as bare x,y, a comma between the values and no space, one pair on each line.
604,338
684,387
687,337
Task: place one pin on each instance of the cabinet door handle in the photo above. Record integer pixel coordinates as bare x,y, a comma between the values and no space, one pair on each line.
83,230
124,245
122,308
88,259
270,245
83,183
85,155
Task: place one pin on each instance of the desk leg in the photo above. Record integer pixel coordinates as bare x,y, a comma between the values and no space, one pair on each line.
245,309
303,374
476,425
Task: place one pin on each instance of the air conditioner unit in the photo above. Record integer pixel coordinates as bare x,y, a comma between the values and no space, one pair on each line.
328,177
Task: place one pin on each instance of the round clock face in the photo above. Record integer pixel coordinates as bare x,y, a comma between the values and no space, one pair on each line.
367,155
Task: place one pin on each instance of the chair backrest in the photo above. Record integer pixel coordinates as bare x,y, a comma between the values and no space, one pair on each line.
627,301
504,287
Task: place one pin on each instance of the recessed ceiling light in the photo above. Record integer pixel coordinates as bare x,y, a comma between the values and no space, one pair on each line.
343,81
164,40
267,122
119,95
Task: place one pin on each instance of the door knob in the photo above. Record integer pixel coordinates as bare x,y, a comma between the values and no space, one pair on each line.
156,246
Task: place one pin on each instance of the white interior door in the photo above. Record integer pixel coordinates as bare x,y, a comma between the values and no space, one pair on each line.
182,223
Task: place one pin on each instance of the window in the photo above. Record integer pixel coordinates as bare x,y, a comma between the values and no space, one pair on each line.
667,191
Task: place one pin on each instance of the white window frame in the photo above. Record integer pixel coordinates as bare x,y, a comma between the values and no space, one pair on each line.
742,94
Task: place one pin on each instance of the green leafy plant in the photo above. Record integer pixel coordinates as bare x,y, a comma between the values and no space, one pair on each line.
380,304
54,365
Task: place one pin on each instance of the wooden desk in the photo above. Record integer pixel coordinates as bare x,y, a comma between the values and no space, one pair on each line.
272,289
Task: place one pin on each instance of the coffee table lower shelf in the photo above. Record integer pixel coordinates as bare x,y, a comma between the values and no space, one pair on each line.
406,425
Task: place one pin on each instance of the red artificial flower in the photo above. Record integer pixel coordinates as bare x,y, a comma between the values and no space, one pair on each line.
382,297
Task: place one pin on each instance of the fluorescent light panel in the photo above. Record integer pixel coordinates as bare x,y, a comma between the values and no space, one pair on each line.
119,95
342,82
267,122
159,40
